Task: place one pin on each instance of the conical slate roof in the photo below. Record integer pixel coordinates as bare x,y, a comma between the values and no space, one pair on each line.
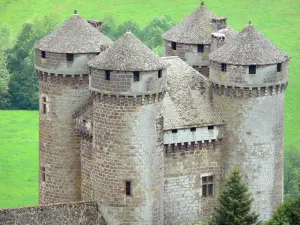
128,53
249,47
194,29
75,35
188,102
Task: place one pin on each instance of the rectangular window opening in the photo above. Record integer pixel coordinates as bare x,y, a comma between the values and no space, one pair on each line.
136,76
70,57
174,45
43,54
174,131
252,69
193,129
128,188
207,186
223,67
44,110
200,48
107,74
43,174
279,67
159,74
210,127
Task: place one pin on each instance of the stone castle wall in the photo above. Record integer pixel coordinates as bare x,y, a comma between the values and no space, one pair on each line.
254,141
184,167
59,143
122,82
86,168
189,54
64,214
128,146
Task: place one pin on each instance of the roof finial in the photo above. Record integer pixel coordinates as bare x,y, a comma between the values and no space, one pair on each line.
128,28
75,11
249,23
202,3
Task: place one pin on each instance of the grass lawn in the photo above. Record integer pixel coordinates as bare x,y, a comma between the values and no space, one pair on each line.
278,20
18,158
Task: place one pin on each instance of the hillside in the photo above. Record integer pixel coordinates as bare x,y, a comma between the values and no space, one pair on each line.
277,20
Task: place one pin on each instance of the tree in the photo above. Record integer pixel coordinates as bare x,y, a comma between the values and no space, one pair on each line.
287,213
4,81
234,202
23,87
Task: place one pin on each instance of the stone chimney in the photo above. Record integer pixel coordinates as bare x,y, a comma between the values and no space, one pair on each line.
219,23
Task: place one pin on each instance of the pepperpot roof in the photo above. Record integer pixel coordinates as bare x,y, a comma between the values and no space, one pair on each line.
194,29
75,35
188,101
128,53
249,47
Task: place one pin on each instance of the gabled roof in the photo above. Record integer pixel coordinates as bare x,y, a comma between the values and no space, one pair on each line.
128,53
75,35
249,47
194,29
188,101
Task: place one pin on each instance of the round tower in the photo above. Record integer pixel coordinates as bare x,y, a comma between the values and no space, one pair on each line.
191,39
128,80
61,62
250,76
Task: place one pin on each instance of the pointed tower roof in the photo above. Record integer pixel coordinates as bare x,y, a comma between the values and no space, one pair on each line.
194,29
128,53
75,35
249,47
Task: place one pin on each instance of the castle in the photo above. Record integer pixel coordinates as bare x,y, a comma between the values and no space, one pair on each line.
150,139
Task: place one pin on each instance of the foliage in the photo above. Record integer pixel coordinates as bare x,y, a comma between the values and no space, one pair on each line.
4,81
235,202
291,173
23,87
287,213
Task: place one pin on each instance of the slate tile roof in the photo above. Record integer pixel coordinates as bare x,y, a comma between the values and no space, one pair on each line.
194,29
128,53
75,35
188,101
249,47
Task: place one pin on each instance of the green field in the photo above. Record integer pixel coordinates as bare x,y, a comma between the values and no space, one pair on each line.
277,20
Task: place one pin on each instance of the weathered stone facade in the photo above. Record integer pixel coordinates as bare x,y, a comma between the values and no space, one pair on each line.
76,213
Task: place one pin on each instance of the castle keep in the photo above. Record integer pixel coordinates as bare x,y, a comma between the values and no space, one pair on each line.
150,139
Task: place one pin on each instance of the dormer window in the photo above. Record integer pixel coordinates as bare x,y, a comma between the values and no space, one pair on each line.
174,45
43,55
200,48
223,67
252,69
279,67
107,74
70,57
136,76
174,131
159,75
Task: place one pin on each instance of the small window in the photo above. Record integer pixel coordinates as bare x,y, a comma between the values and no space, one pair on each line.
210,127
193,129
43,174
252,69
159,74
43,54
279,67
174,45
200,48
174,131
44,105
223,67
128,188
107,74
70,57
207,186
136,76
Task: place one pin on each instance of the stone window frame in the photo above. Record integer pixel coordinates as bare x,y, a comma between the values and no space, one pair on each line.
223,67
45,104
126,181
173,45
159,74
43,54
107,74
43,172
279,67
200,48
207,184
193,129
210,127
174,131
136,76
252,69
